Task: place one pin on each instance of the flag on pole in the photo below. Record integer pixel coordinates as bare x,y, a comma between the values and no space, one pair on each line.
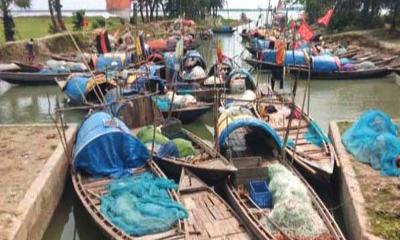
121,8
324,21
305,31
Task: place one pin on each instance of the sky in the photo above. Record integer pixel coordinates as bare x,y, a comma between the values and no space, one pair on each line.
100,4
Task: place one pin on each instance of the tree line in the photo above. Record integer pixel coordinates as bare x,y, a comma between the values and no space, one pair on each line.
354,13
148,10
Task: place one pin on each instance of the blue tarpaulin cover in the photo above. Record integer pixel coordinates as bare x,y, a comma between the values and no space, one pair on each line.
248,122
250,81
269,55
298,56
373,139
76,88
195,55
260,43
104,147
140,205
108,63
324,63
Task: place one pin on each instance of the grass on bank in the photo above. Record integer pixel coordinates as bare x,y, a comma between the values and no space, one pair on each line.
381,196
38,26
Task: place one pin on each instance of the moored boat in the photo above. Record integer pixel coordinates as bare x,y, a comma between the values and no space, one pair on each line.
210,217
31,78
206,162
267,191
223,30
307,144
103,173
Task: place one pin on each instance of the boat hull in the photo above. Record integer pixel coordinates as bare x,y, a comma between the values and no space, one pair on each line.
188,115
31,79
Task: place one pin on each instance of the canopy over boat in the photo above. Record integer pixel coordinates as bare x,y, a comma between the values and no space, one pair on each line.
240,117
105,147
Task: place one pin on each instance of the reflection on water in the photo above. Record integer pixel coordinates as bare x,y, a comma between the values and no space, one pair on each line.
21,104
329,100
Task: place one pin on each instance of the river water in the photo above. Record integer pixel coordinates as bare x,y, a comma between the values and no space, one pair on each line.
330,100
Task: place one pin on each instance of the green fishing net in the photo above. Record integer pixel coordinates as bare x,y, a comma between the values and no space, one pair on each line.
140,205
292,205
185,147
146,135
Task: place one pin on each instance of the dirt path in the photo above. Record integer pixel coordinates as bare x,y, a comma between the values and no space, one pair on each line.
23,153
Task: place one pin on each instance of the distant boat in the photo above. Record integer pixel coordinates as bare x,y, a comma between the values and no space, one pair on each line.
224,30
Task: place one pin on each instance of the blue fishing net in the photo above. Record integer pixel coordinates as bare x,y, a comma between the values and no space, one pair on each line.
373,139
140,205
315,135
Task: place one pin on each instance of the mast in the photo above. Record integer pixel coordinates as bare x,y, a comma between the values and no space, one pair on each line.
267,13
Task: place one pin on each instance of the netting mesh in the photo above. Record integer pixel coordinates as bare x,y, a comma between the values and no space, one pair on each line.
292,207
177,147
373,139
140,205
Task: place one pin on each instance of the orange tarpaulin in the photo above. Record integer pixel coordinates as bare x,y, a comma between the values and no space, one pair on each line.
158,45
118,4
280,52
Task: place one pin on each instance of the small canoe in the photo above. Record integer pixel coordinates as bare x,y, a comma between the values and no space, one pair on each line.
223,30
191,113
90,190
210,217
255,148
31,78
28,67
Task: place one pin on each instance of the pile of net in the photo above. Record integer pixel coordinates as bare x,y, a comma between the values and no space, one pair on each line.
140,205
373,139
292,207
177,147
179,101
315,135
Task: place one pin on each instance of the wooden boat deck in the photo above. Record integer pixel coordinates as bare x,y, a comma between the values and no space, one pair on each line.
209,216
90,190
319,158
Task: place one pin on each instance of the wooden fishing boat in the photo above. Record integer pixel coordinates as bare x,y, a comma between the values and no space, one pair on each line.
253,147
31,78
210,217
315,161
223,30
65,57
90,190
191,113
336,75
208,164
28,67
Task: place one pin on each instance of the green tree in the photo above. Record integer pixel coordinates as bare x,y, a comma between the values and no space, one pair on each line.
8,21
57,22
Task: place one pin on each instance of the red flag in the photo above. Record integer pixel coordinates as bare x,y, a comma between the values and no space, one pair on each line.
305,31
292,25
326,19
220,55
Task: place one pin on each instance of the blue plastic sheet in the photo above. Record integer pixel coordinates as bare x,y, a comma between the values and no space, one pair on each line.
269,56
168,150
260,43
195,55
108,63
248,122
76,88
140,205
250,81
298,57
373,139
104,147
324,64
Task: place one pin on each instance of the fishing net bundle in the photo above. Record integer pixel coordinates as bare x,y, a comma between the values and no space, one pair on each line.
165,147
140,205
373,139
315,135
292,209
